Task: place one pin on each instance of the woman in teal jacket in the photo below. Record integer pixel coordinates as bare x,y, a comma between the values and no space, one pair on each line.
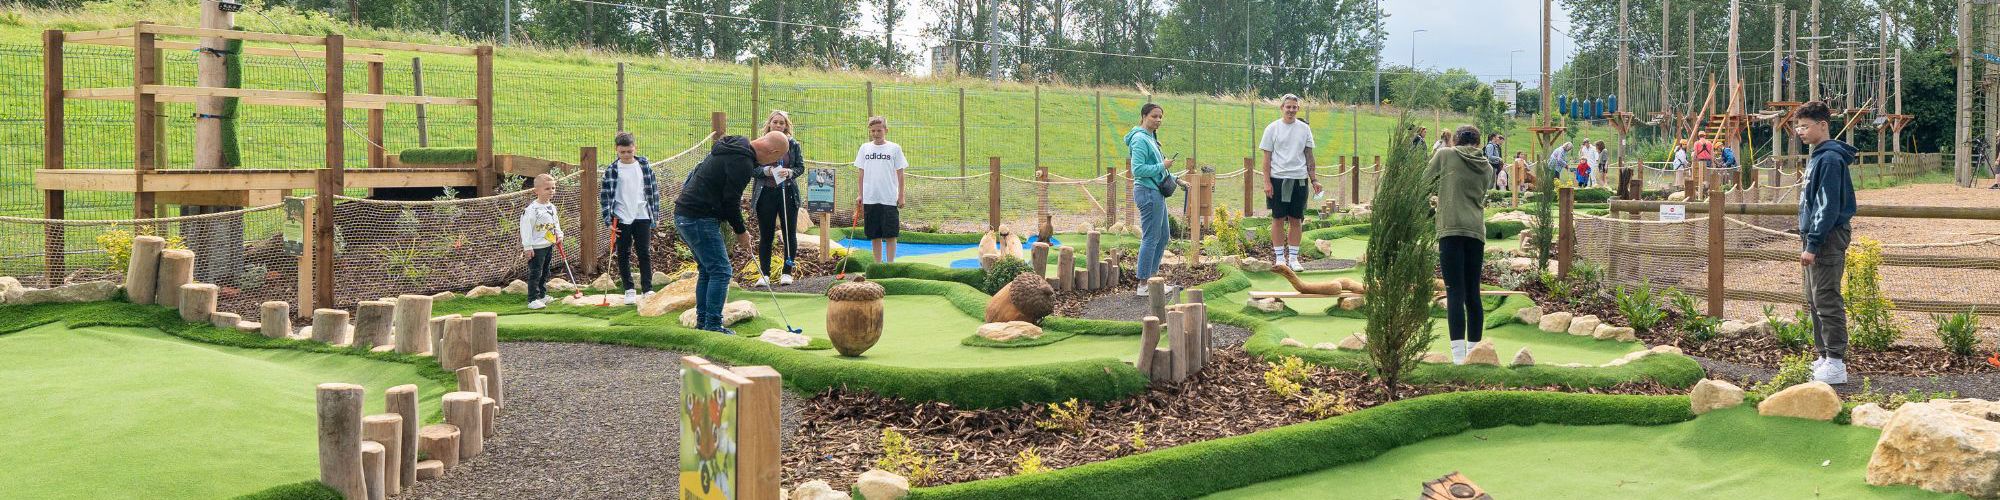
1148,169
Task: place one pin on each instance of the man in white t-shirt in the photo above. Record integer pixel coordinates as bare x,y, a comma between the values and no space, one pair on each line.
1288,171
880,200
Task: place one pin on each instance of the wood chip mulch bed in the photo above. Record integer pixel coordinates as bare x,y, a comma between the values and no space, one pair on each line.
840,432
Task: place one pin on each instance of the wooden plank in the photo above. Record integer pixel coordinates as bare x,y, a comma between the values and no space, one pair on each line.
587,210
758,417
179,90
120,180
255,51
167,30
376,153
52,152
237,198
483,135
125,94
1751,254
1792,209
92,36
414,47
167,181
378,97
529,166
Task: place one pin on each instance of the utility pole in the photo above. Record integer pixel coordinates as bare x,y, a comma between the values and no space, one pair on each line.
1778,61
1882,86
1960,162
1992,80
1848,101
507,22
1812,55
1544,83
1735,69
1666,77
1624,74
1378,70
993,40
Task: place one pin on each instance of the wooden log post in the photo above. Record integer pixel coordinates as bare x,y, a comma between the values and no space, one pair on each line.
197,302
145,108
225,320
1716,259
1199,322
993,193
1065,268
275,319
378,157
53,237
330,326
1178,343
339,410
468,379
402,401
587,214
439,442
758,417
1039,256
373,323
485,333
1354,182
462,410
1149,341
176,269
429,469
412,324
1093,247
437,335
482,143
333,177
457,350
143,271
1156,296
489,409
1249,186
374,482
1566,231
489,367
387,429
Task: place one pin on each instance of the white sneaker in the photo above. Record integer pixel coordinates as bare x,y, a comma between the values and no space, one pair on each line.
1459,352
1835,372
631,297
762,281
1296,266
784,279
537,304
1141,292
1818,362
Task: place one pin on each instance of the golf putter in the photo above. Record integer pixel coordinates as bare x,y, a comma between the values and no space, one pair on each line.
785,218
566,268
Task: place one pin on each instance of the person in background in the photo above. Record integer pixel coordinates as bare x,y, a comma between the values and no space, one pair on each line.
713,195
881,198
1495,157
1288,172
777,204
1458,175
1993,166
1826,205
540,230
1444,141
1602,166
1704,154
1524,178
1559,161
629,198
1149,169
1584,160
1417,139
1680,164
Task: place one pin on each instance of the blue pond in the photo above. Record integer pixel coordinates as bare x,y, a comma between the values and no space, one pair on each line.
916,249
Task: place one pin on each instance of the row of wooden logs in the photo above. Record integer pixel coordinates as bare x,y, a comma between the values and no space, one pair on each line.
377,456
1100,271
1188,335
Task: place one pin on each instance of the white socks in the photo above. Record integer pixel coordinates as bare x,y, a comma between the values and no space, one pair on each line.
1278,254
1293,251
1458,352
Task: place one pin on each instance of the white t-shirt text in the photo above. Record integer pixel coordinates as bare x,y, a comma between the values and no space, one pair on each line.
879,164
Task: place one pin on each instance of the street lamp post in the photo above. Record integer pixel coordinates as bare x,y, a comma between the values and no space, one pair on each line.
1413,48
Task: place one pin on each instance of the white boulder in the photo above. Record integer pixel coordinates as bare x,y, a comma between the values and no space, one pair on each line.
1556,322
1009,331
1583,325
878,484
1933,447
784,338
1713,394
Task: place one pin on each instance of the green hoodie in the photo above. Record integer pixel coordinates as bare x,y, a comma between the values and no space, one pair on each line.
1461,177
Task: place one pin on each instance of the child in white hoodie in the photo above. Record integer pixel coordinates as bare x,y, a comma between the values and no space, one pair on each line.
540,230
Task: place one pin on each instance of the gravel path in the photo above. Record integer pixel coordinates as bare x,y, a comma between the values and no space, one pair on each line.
582,421
1969,385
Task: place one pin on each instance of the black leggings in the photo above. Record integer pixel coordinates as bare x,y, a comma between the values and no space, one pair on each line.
636,237
1460,258
775,209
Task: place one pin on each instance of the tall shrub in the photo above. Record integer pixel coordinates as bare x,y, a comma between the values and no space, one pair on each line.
1874,327
1402,255
1545,223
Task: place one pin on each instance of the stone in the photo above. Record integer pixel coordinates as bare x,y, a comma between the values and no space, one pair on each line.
817,490
1255,263
1555,322
603,299
1009,331
559,285
1326,346
10,289
1235,261
1810,400
1976,408
1354,342
1623,334
878,484
1523,358
516,287
660,277
1531,315
1616,363
732,313
482,291
94,291
1291,342
783,338
604,283
1932,447
1732,328
1483,353
1268,304
1869,415
1714,394
1325,247
1583,325
225,320
676,296
1437,358
1637,355
1513,216
1520,264
1352,303
1665,349
1677,196
443,296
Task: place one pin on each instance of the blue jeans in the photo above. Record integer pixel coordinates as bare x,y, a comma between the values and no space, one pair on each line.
1153,229
704,238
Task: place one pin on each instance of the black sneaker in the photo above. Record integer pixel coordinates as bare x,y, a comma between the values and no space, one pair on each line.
722,330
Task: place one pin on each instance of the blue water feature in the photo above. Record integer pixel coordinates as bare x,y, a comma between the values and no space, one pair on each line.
913,249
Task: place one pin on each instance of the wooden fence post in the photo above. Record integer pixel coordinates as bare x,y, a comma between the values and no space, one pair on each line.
417,88
483,142
759,415
377,153
718,123
868,88
1353,180
1716,224
587,210
1566,232
1111,196
621,96
1249,185
756,93
993,193
334,176
1044,225
52,153
145,71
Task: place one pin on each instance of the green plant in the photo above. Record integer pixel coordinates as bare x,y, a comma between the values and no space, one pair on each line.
1029,462
1543,236
1638,307
1322,405
509,184
1001,274
1959,332
1228,233
1889,401
1402,255
252,277
1138,436
1700,328
1795,369
1069,416
1792,335
438,156
1286,377
1559,289
1586,281
117,244
1686,304
1867,309
902,458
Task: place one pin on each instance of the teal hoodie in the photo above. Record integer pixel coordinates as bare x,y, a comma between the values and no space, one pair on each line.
1148,169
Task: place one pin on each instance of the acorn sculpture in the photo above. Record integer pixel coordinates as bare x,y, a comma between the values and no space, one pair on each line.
854,316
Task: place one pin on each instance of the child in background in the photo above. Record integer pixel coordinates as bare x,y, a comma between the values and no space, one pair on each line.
540,230
880,199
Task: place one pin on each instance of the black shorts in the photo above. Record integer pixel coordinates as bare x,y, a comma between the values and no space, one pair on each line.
881,221
1296,208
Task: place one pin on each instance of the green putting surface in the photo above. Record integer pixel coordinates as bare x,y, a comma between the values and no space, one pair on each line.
1731,453
971,251
1347,247
923,331
1313,326
554,319
118,412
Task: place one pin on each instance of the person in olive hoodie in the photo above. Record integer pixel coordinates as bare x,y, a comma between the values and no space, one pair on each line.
1461,174
1826,205
712,195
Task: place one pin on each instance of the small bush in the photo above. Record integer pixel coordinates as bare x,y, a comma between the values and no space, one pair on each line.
1638,307
1959,332
1592,195
1688,305
1322,405
1029,462
1891,401
1700,328
1559,289
1792,335
1138,436
1504,229
117,243
1070,416
1794,370
1002,273
1228,233
900,457
1867,309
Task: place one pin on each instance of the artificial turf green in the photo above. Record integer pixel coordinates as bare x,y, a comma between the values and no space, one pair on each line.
1703,458
129,412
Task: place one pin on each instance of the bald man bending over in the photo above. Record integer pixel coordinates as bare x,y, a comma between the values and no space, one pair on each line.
713,194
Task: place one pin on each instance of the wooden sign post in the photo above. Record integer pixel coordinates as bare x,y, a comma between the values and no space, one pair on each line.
729,431
819,204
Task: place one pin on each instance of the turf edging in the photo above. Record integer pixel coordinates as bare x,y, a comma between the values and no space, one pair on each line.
1218,465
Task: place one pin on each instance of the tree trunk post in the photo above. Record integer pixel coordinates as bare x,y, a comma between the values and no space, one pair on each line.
462,410
176,269
489,367
142,273
197,302
339,409
387,429
440,442
402,401
373,323
412,324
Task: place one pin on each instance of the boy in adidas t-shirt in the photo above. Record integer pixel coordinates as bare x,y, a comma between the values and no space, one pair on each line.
880,200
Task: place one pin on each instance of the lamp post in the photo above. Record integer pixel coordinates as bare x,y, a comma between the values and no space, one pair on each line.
1510,62
1413,48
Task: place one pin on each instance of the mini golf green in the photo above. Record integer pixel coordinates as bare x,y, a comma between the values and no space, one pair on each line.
945,259
1731,453
923,331
1313,326
553,319
118,412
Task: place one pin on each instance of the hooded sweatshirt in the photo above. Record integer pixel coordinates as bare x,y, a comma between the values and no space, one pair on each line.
1148,169
1827,201
714,190
1461,175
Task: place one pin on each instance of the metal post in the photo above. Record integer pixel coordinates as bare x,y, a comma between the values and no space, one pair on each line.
621,95
417,87
52,153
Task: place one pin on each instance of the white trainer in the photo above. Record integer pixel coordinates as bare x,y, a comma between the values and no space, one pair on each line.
1836,371
537,304
785,279
631,297
762,281
1293,262
1141,292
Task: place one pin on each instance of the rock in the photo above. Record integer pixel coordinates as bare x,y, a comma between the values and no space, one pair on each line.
1520,264
732,313
878,484
782,338
1255,263
1714,394
1625,334
661,278
1976,408
604,283
1677,196
1573,365
1437,357
1932,447
817,490
1637,355
1268,304
602,299
1605,331
1483,353
1665,349
1557,322
1523,358
1352,303
1810,400
1732,328
1869,415
1529,315
1326,346
94,291
1235,261
1615,363
559,285
1583,325
1325,247
676,296
10,289
1009,331
443,296
1354,342
516,287
482,291
1291,342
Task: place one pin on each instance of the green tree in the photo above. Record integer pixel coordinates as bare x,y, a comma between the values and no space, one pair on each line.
1402,256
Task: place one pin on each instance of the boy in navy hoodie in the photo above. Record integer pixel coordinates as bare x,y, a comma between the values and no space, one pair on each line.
1826,204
